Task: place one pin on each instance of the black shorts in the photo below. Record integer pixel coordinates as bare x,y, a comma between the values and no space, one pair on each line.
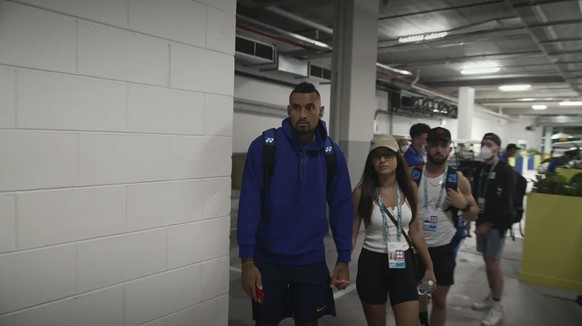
301,292
375,281
443,261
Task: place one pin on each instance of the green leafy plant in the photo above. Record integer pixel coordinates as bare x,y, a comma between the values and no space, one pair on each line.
552,183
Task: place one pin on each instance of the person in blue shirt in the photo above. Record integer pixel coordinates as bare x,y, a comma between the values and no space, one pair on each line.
281,229
415,155
510,151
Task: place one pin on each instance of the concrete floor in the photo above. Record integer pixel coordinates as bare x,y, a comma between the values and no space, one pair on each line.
524,303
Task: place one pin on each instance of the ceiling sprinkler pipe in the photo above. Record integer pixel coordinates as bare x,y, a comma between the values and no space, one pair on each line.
300,19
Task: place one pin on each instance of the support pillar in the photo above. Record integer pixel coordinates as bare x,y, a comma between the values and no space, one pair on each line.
353,91
465,114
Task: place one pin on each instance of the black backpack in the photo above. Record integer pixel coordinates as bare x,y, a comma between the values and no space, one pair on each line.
269,143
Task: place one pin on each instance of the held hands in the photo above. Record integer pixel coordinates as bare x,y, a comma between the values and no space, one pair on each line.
340,278
251,281
456,198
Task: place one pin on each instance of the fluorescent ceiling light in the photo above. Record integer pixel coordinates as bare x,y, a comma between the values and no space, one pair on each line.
539,107
475,71
513,88
486,67
571,103
422,37
400,71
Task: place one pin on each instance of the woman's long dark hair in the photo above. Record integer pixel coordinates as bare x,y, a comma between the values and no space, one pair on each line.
370,182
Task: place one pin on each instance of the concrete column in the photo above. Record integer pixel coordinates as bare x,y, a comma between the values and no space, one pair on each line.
549,131
465,115
353,99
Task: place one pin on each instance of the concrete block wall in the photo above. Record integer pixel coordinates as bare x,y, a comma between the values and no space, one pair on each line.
115,136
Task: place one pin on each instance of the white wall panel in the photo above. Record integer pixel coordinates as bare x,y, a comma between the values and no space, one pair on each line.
7,98
55,101
36,38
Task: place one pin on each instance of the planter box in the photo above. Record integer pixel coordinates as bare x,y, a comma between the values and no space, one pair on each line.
568,173
553,241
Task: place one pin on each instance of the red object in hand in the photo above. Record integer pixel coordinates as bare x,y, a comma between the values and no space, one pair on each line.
260,295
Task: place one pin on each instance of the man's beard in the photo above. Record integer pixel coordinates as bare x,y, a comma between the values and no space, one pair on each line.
436,161
304,131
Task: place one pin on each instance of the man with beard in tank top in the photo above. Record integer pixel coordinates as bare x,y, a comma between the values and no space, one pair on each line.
435,203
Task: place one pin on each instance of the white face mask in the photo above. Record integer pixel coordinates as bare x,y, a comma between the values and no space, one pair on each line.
404,148
423,149
486,153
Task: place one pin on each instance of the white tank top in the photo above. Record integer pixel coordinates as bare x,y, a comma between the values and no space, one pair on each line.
445,228
374,239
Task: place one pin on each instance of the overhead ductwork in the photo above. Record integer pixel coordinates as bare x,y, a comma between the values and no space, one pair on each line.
253,52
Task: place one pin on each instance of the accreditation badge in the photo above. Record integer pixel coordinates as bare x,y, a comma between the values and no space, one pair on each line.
430,221
396,255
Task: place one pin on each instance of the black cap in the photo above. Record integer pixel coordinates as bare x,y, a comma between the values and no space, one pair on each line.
438,133
511,147
493,137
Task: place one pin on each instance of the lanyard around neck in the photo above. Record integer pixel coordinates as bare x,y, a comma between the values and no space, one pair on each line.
441,192
385,218
483,187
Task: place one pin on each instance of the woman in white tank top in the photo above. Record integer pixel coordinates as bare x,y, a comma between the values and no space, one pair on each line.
385,199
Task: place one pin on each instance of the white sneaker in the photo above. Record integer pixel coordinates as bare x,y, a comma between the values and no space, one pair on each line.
484,304
494,315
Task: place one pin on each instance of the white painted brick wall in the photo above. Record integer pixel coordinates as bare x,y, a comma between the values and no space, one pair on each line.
7,98
32,160
116,136
178,20
220,31
98,308
212,312
59,216
57,101
116,259
162,294
199,69
33,277
7,222
197,242
122,55
36,38
112,12
163,110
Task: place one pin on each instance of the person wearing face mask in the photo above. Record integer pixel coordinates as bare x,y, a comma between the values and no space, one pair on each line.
494,187
403,144
415,155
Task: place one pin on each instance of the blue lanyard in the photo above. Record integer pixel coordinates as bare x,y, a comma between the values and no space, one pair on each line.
483,189
442,191
385,218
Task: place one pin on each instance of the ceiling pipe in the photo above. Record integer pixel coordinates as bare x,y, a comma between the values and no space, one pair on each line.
442,9
300,19
270,35
385,70
291,37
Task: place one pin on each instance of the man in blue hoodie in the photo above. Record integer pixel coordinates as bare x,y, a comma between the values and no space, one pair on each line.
281,229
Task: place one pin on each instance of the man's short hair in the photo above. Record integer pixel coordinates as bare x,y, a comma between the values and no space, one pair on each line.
419,129
305,88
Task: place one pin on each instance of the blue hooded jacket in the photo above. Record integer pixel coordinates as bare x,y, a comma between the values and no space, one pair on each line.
291,229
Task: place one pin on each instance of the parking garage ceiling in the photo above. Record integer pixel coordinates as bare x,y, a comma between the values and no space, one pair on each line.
536,43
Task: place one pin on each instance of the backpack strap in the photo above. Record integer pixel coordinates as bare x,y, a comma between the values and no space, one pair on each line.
330,161
416,174
453,183
268,159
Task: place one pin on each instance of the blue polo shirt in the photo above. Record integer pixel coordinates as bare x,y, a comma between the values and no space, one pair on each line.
413,157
